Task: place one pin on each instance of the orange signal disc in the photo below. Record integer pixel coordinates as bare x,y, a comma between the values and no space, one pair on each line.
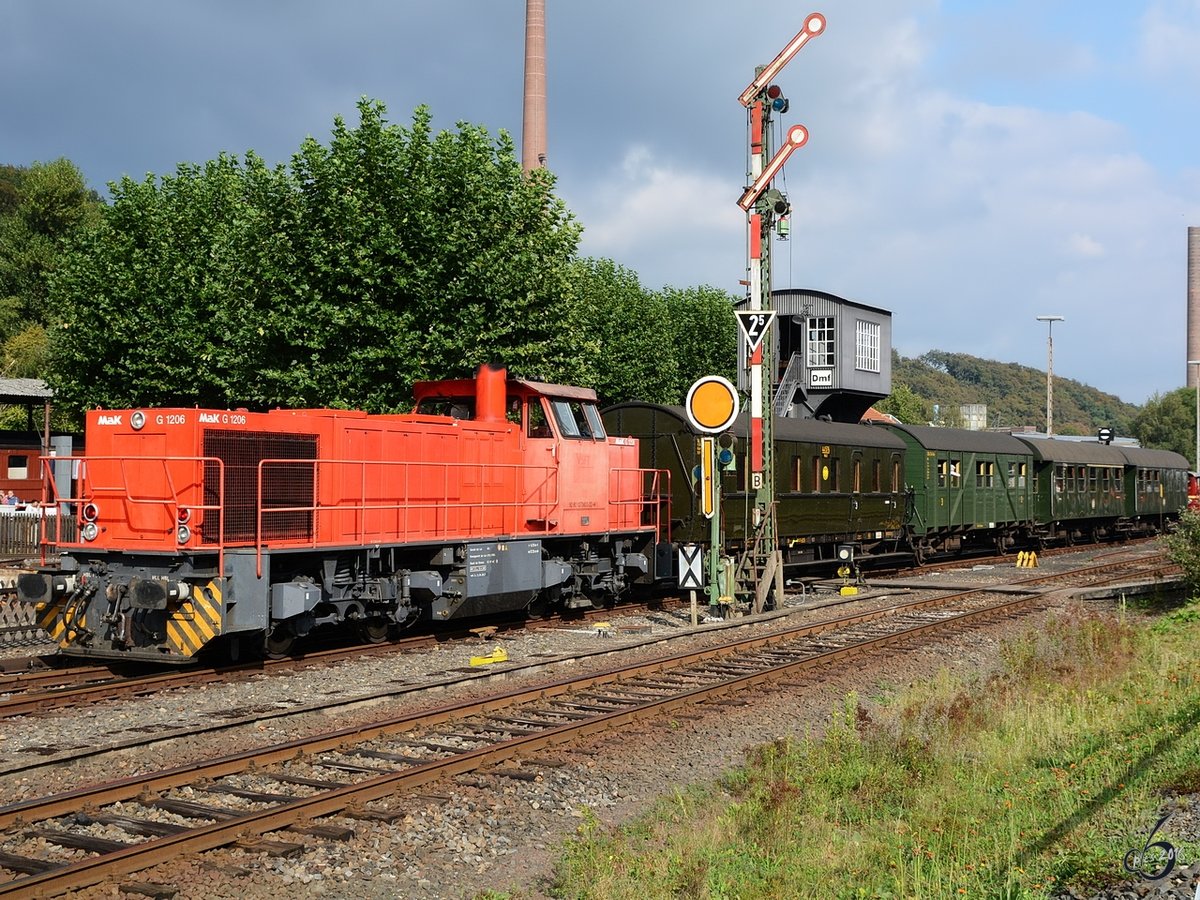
712,404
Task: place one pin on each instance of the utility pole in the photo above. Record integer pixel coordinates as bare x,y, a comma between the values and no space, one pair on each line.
1050,320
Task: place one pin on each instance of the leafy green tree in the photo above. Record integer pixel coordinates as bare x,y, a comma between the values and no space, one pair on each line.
904,405
1168,422
624,341
387,256
41,208
703,333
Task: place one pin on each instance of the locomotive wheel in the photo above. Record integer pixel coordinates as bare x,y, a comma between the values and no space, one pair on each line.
374,631
279,643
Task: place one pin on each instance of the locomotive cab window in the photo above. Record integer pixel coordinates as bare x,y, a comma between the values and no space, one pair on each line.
453,407
538,425
577,420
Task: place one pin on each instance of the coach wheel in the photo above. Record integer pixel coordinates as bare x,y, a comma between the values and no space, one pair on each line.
374,631
279,642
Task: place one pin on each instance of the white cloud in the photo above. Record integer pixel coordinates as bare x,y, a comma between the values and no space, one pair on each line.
1169,41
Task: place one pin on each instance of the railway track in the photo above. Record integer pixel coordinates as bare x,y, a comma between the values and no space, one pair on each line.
280,790
33,687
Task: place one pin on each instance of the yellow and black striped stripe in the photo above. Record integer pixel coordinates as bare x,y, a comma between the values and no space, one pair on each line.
197,621
50,619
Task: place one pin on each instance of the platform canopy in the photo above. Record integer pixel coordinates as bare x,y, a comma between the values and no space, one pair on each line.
28,392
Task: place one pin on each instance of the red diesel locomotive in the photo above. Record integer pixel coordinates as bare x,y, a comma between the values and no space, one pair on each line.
205,527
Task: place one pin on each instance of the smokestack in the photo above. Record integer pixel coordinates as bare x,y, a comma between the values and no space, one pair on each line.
1193,303
533,131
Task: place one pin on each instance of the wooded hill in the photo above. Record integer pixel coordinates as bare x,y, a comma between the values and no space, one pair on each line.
1015,395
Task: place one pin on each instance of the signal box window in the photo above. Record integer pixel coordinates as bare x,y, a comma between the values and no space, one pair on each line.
821,341
866,346
18,466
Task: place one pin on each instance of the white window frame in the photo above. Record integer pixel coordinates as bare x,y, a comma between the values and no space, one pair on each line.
866,345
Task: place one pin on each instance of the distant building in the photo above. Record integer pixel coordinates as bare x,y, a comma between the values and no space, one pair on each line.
974,416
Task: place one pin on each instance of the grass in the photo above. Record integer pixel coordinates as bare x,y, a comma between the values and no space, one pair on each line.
1010,784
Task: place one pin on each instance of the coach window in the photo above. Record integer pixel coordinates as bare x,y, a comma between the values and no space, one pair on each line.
897,484
956,473
1021,475
18,466
816,471
942,468
1093,478
876,475
797,474
857,475
835,474
538,427
985,474
1059,478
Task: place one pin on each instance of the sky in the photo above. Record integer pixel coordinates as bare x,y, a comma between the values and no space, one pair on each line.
971,165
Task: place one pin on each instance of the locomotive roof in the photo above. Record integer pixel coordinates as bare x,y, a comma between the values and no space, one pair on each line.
1088,452
932,438
813,431
465,387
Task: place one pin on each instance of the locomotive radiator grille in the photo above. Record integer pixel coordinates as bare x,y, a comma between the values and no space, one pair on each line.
284,485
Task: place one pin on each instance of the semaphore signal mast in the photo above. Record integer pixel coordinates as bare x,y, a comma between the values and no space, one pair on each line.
763,206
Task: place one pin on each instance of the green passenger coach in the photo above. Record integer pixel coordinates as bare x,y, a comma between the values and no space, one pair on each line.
966,488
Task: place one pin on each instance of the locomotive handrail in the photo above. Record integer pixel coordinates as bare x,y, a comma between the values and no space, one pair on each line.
404,504
652,496
87,488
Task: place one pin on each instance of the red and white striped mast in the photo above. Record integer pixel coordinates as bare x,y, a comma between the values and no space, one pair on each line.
761,98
